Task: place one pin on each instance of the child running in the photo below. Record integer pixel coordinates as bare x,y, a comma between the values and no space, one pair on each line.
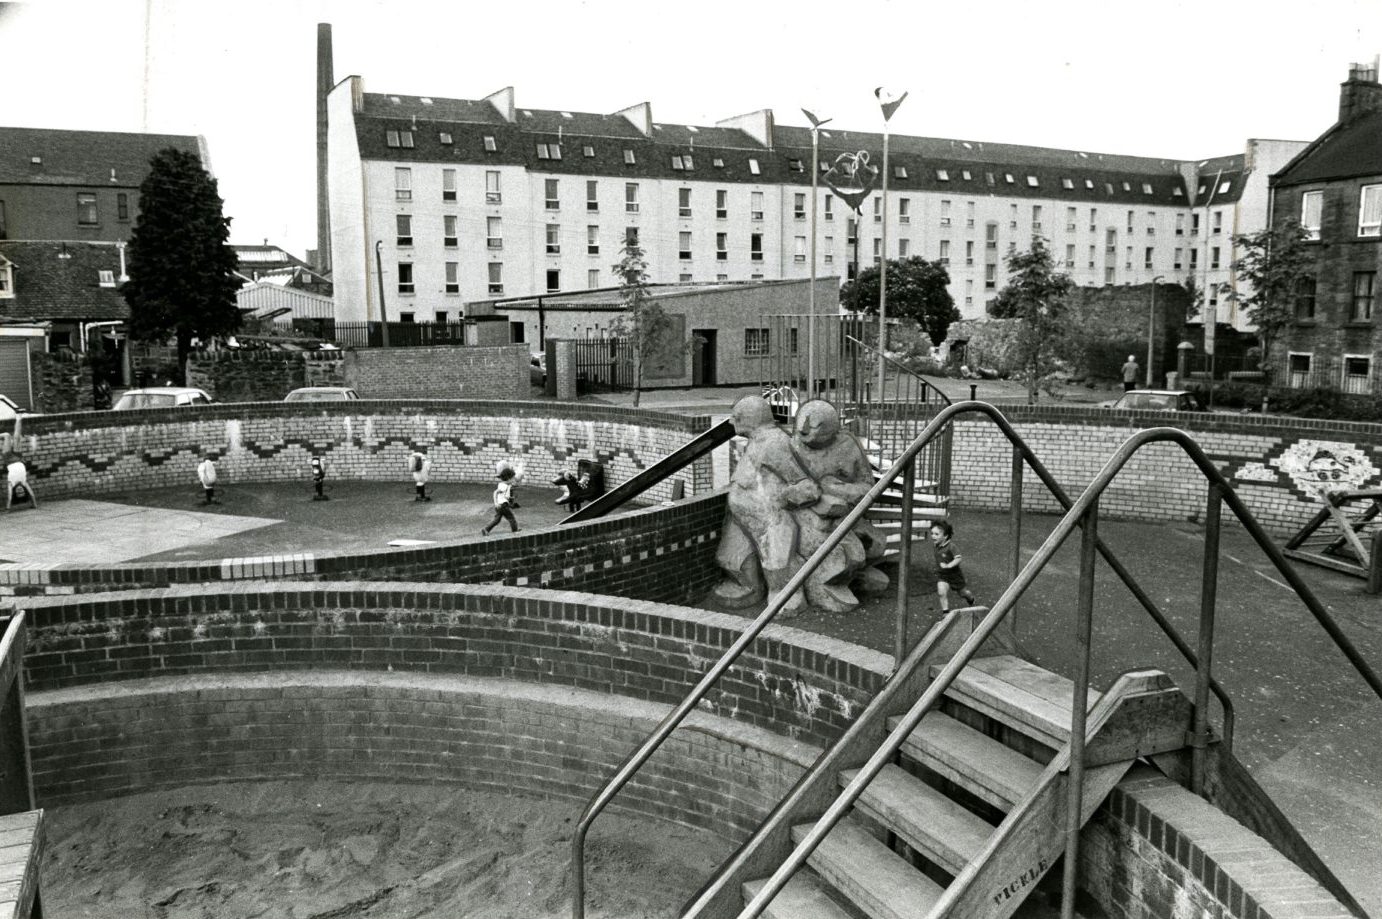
949,576
504,502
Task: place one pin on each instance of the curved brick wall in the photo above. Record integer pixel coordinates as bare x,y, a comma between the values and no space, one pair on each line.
1274,463
94,453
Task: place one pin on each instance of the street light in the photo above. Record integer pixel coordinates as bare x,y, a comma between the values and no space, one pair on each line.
1151,329
379,272
889,106
811,319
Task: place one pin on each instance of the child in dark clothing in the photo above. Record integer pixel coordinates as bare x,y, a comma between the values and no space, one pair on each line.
949,576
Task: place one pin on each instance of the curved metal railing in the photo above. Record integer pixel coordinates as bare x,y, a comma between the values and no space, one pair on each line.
1078,513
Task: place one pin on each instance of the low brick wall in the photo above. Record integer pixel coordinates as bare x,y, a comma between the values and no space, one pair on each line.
497,372
1276,464
267,376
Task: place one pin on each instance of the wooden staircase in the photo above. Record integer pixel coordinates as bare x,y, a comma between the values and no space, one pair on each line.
973,813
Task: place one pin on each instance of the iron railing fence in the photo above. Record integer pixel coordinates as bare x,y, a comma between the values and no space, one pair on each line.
371,334
1351,374
604,364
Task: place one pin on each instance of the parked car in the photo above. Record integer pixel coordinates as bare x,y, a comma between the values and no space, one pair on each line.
321,394
8,410
160,397
1159,400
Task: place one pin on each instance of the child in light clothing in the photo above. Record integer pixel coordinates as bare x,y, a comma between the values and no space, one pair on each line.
949,576
206,474
504,502
17,487
421,467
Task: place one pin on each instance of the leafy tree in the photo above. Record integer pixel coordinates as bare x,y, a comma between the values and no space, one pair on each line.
1037,295
917,290
644,323
181,267
1274,263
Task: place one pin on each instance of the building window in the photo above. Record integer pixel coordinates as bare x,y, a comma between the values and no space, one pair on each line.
629,159
684,245
942,175
829,205
448,185
1305,300
684,162
553,280
795,165
1091,256
899,172
991,236
1218,225
122,209
1194,259
1214,256
878,210
877,249
756,205
592,240
1298,370
850,231
1036,218
588,151
440,316
1069,255
553,239
755,342
631,197
453,283
990,277
494,232
683,202
756,247
722,247
592,196
753,167
592,278
490,146
1311,208
1195,224
4,231
1357,373
904,210
105,278
405,229
496,277
448,231
405,317
1147,257
492,194
1032,182
1146,188
630,237
86,210
552,195
969,252
1176,262
6,280
721,203
391,138
1071,214
1364,286
402,183
549,151
445,138
405,277
1370,211
799,250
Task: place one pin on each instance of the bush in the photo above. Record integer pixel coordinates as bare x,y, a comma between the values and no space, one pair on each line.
1330,404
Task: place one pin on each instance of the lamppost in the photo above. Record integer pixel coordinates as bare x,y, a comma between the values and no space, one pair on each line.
379,272
888,107
1151,329
811,319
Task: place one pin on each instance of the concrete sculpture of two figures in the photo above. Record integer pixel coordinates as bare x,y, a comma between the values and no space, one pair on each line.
786,495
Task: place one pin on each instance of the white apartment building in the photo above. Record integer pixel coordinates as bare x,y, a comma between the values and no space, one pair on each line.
462,200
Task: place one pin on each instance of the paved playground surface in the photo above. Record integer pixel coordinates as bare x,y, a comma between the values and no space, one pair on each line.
1308,727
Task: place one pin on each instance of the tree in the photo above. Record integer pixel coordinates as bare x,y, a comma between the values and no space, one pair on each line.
181,266
1274,265
644,323
917,290
1036,294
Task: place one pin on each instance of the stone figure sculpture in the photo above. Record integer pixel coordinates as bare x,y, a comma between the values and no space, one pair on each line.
759,546
785,497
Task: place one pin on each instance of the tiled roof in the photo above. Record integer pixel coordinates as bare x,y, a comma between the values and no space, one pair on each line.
47,286
82,157
916,163
1347,150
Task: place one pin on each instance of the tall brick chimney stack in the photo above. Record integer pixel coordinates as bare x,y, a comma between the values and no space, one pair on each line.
325,80
1360,93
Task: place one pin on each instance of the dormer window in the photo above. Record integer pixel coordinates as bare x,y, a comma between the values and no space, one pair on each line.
899,172
1089,184
391,138
588,151
105,278
549,151
490,145
794,165
718,162
964,174
683,162
406,138
445,138
753,167
6,279
1032,182
942,175
1008,177
1127,187
1146,188
1225,186
629,159
1067,184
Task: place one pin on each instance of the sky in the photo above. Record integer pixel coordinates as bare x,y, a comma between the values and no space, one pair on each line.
1182,80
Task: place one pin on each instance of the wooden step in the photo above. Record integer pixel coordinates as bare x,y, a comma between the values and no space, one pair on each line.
976,762
928,821
1023,696
874,878
21,852
894,511
805,895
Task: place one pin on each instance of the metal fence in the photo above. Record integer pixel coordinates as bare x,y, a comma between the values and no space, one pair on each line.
604,364
1356,375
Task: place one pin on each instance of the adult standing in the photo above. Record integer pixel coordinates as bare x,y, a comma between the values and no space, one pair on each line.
1130,373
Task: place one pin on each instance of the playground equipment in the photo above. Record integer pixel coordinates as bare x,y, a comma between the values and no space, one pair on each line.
1346,535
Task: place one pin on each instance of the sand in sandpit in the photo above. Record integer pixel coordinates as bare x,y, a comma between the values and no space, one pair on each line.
312,850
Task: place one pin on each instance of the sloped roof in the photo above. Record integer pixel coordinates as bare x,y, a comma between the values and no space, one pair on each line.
82,157
1347,150
47,286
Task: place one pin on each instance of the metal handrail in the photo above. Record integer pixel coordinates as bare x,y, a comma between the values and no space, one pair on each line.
1075,514
901,368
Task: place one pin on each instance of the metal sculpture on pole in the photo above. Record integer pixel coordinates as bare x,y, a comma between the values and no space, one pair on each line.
852,177
889,105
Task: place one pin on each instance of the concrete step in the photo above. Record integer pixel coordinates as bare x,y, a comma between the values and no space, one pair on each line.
874,878
927,820
984,767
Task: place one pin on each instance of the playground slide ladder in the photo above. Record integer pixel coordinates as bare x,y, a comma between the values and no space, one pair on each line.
1345,535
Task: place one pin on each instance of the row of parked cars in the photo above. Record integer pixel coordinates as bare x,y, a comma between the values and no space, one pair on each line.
174,396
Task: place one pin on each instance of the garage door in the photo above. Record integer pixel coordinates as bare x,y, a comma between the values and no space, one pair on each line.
14,371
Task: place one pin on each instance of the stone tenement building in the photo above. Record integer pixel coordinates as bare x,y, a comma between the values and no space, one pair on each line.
462,200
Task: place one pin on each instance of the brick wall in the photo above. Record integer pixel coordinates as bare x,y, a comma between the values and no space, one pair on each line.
62,383
499,373
262,376
1275,464
657,553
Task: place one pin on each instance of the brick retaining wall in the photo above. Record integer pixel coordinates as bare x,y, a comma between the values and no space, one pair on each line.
1268,459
